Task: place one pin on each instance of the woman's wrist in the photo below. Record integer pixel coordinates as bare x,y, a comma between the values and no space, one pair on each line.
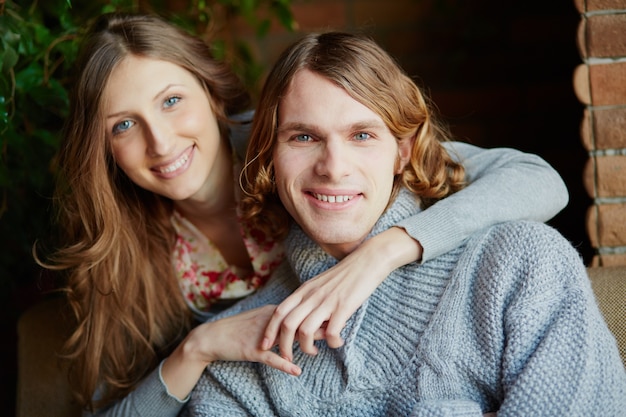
396,247
182,369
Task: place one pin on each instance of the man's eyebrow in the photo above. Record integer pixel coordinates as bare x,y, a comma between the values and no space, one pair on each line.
360,125
368,124
291,126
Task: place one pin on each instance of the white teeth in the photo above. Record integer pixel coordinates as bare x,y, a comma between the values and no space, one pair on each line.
333,198
171,168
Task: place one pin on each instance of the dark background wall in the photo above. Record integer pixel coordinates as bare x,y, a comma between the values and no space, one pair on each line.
500,73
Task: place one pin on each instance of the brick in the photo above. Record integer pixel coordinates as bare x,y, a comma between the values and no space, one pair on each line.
606,225
586,136
603,128
589,178
609,260
609,127
580,81
604,36
608,84
580,5
581,41
595,5
611,176
591,224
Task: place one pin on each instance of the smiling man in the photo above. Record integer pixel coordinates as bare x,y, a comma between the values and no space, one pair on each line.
344,146
335,161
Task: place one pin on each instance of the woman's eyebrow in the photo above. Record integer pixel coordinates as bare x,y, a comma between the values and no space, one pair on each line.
160,92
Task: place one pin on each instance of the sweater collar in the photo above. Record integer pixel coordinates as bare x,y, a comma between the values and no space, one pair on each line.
308,259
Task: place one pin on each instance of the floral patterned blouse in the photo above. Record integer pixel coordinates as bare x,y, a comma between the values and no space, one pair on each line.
207,281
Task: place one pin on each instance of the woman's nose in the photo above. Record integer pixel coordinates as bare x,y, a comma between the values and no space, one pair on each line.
160,138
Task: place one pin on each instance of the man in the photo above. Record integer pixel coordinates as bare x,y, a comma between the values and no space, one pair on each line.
347,146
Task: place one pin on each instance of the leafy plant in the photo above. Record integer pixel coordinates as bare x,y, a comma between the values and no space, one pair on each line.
38,45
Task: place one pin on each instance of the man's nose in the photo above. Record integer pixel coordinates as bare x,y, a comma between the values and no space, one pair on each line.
334,160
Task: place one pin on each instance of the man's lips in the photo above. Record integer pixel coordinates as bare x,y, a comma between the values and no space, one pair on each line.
331,198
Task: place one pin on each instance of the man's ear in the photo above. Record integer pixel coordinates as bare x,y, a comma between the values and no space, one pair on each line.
405,149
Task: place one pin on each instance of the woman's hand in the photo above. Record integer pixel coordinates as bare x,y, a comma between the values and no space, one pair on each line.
322,305
235,338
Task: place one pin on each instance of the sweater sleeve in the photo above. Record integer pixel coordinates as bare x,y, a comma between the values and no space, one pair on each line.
150,398
562,357
558,356
503,184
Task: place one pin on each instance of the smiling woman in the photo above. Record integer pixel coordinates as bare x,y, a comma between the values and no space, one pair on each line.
165,136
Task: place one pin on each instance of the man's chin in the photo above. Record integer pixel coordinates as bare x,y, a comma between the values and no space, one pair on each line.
338,244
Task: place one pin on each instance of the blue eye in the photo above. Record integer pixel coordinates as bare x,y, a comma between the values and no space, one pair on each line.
303,138
362,136
170,101
122,127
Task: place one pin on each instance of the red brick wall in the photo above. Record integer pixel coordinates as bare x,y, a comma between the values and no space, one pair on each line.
600,84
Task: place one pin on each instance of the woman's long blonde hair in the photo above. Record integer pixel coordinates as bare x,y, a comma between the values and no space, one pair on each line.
117,237
370,76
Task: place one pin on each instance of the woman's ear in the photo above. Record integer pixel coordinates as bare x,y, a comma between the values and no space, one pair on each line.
405,148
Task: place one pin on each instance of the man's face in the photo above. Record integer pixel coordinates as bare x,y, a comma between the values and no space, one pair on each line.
334,161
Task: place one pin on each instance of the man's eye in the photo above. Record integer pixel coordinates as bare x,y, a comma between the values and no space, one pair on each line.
362,136
170,101
303,138
122,126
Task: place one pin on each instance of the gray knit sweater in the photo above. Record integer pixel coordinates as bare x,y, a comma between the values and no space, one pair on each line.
507,322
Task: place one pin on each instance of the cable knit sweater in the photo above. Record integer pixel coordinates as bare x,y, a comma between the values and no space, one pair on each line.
506,322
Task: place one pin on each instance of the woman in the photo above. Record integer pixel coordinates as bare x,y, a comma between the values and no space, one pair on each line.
148,194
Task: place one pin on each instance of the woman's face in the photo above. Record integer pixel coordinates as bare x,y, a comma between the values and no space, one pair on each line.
162,129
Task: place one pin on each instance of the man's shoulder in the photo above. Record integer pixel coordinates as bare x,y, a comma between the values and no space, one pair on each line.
524,246
523,233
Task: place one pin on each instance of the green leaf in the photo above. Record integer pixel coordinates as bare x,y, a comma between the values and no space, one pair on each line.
8,57
11,37
263,28
4,114
30,77
284,15
247,7
218,47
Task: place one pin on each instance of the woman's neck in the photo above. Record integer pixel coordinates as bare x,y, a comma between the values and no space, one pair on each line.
216,198
213,211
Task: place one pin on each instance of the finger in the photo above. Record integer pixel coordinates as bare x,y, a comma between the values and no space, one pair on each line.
290,327
306,332
335,325
320,334
275,361
274,325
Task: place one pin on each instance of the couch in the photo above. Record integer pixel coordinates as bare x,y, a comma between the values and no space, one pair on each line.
42,390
